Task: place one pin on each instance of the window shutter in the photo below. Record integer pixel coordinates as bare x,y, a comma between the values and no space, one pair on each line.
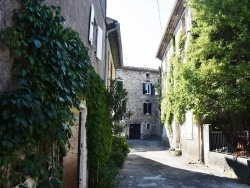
145,108
149,108
99,43
144,88
152,90
91,24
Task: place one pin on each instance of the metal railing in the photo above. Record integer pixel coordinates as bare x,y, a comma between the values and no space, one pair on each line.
232,143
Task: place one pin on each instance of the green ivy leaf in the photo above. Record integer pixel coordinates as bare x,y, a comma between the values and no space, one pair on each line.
23,72
6,113
37,43
7,144
32,60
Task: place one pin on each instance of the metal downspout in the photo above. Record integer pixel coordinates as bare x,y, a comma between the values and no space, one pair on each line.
106,53
79,149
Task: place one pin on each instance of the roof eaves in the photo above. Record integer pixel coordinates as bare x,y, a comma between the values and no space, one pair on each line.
169,30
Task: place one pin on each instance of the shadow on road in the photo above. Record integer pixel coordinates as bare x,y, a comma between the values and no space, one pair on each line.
150,165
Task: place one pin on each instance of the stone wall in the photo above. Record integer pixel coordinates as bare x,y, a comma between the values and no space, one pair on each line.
6,7
133,79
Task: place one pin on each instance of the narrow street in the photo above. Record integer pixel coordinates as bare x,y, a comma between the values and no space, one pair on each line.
149,164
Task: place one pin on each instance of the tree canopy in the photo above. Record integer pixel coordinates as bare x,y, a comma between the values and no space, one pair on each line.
214,80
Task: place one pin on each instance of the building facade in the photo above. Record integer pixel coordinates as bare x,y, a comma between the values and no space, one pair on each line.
142,102
186,136
88,18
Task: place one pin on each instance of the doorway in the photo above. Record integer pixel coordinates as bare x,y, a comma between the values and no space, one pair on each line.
135,131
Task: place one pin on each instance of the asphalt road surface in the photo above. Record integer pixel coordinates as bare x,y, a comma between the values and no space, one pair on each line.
149,164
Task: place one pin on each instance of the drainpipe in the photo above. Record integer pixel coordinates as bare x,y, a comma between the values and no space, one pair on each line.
106,53
79,149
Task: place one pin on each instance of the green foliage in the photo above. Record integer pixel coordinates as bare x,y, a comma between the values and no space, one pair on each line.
120,144
49,65
119,151
182,41
109,175
159,87
220,58
175,99
117,103
99,130
51,75
213,81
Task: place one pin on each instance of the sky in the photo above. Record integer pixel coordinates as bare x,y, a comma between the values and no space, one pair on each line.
141,28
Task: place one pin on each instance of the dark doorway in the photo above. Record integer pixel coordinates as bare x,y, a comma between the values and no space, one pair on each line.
135,131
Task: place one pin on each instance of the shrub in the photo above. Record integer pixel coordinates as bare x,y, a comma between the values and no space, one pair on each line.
119,151
120,144
109,175
118,158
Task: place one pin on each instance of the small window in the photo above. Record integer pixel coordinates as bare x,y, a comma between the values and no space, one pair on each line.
147,88
118,73
148,126
147,108
147,75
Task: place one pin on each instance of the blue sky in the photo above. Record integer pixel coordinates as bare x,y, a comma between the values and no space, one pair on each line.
140,28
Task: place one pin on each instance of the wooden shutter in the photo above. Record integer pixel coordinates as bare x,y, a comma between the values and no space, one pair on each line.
144,88
145,108
152,90
149,108
99,43
91,24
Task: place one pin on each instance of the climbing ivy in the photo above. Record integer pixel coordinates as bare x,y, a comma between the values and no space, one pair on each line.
159,87
51,74
117,100
212,77
174,102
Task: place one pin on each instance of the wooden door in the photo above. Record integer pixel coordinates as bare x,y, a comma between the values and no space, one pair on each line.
135,131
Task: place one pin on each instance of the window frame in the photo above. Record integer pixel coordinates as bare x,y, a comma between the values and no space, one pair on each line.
147,88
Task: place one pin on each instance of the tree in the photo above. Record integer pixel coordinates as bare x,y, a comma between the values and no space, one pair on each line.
219,60
117,100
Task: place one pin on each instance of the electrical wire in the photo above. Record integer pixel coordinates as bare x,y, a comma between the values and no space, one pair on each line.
159,14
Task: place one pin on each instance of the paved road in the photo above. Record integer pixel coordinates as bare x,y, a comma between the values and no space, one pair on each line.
149,164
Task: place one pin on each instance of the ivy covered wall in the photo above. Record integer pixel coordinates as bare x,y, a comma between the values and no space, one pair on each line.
51,73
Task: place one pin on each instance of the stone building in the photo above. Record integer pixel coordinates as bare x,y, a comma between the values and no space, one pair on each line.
140,84
89,19
185,136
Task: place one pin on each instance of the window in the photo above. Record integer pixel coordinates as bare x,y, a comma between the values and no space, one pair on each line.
148,126
147,75
148,88
147,108
118,73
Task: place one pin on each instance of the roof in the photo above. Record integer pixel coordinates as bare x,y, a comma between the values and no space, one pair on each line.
115,42
170,28
140,69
